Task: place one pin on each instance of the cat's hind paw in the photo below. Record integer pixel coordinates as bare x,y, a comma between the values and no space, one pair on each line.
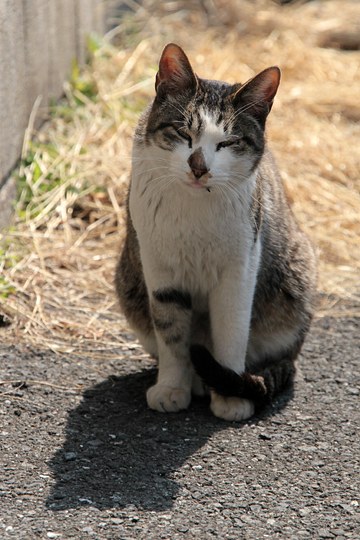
164,398
232,409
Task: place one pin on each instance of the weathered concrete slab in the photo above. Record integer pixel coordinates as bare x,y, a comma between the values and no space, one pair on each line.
37,53
38,42
7,196
89,17
13,101
61,26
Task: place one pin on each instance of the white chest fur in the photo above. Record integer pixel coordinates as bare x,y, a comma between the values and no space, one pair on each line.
189,237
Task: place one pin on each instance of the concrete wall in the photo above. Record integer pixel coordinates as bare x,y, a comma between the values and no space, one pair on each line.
38,41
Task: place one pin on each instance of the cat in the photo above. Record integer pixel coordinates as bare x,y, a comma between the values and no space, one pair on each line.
215,277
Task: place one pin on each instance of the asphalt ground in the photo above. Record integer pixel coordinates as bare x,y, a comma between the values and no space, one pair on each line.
83,457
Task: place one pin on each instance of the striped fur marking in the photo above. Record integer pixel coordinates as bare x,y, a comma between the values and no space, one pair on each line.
173,296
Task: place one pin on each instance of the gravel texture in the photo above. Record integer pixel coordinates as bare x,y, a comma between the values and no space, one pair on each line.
83,457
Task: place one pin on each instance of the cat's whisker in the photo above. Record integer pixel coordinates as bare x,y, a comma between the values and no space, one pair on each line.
240,111
144,159
159,183
227,193
178,107
157,168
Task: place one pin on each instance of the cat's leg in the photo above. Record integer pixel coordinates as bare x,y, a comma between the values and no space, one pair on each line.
230,313
171,313
132,293
198,388
147,340
201,335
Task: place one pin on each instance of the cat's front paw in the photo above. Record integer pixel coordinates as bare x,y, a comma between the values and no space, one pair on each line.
232,409
167,399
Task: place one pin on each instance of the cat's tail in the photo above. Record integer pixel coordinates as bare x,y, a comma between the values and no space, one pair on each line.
259,387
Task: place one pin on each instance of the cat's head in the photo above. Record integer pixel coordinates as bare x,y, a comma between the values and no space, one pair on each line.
207,133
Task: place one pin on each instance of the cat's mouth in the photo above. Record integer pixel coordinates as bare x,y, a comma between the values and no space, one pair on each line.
199,183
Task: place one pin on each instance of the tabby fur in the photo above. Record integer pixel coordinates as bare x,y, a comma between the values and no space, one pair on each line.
215,277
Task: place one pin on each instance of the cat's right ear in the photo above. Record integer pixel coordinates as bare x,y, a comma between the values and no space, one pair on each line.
257,95
175,72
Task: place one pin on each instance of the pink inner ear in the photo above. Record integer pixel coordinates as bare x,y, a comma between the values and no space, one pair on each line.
174,67
262,87
169,65
270,83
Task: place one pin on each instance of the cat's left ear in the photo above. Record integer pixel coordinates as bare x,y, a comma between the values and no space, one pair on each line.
257,95
175,72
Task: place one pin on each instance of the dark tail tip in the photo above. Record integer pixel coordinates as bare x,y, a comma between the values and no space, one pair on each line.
225,381
279,375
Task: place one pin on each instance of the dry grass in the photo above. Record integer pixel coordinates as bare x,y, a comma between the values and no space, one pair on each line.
58,261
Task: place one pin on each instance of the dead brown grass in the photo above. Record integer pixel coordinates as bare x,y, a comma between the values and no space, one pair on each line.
60,257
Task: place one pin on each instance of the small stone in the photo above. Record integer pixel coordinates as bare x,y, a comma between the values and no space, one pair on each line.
4,320
348,507
307,448
94,443
70,456
59,495
247,519
117,521
325,533
52,535
264,437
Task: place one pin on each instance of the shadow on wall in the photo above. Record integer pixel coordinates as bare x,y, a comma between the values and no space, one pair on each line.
117,452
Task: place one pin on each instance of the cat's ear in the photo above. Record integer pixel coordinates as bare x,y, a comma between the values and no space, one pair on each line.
175,72
257,95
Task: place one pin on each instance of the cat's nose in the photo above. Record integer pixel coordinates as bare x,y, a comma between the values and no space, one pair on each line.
198,173
197,163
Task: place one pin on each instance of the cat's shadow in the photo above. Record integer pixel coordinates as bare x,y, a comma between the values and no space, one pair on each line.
117,452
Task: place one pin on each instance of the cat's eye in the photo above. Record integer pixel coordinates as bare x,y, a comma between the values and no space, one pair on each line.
185,136
172,133
229,142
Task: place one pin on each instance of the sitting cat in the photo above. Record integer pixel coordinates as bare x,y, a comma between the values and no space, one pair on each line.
215,277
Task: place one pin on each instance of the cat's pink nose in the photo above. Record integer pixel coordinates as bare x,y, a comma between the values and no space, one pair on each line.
197,163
